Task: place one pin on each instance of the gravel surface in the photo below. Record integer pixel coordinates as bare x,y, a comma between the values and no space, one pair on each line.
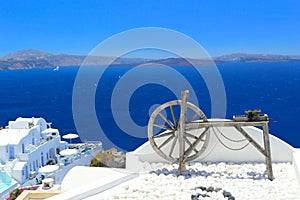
212,181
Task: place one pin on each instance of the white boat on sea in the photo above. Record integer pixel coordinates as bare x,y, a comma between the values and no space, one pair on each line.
56,68
30,149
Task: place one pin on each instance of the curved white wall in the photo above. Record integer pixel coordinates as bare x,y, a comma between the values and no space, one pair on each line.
216,152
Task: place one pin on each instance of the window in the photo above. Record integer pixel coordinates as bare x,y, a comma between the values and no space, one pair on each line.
42,158
26,172
11,152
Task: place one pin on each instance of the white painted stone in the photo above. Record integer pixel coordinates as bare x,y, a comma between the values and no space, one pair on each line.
151,186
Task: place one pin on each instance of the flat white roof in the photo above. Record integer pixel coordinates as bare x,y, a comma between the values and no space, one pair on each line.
32,119
82,182
12,136
19,165
50,130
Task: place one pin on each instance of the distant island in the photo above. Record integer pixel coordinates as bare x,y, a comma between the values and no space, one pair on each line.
31,58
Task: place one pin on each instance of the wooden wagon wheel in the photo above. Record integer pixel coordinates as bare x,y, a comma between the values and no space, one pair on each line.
166,143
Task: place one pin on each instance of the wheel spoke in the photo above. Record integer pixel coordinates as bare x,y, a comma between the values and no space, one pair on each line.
190,135
166,120
163,134
162,127
192,118
189,143
166,141
173,116
172,147
203,134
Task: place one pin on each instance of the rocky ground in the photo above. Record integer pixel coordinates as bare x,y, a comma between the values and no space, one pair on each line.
212,181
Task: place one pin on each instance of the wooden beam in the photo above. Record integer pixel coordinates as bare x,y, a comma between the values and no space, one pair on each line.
197,125
182,122
268,151
251,140
195,143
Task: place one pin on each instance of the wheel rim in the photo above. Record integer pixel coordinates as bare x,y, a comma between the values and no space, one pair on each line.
166,143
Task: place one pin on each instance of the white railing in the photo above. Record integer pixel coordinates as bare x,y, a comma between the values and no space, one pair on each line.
24,157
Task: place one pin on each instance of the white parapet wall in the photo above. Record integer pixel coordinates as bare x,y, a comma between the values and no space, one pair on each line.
296,163
217,152
84,182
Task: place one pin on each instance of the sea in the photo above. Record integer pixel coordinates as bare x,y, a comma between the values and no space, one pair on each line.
272,87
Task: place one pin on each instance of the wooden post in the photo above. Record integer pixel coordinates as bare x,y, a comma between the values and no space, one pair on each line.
182,122
268,151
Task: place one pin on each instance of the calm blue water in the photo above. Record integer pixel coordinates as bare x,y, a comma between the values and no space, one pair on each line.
272,87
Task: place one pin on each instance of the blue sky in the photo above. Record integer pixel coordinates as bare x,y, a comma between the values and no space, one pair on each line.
221,27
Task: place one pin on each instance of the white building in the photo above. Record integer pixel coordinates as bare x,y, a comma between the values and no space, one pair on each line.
27,144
